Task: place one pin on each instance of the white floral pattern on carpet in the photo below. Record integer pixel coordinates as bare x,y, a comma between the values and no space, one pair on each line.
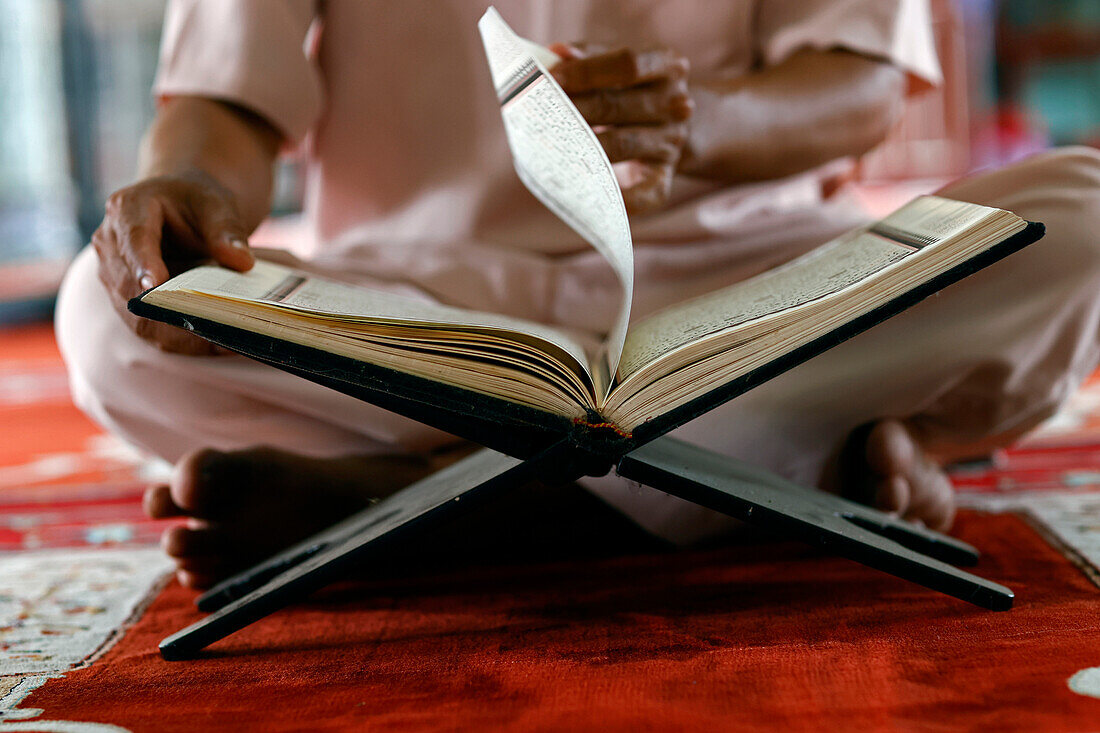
60,609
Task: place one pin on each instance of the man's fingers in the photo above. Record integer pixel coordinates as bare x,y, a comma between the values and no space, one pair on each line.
653,144
200,222
119,281
183,220
225,239
660,103
229,245
140,248
165,337
136,224
617,69
568,51
651,191
114,272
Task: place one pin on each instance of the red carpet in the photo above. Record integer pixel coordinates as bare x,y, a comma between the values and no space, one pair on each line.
755,637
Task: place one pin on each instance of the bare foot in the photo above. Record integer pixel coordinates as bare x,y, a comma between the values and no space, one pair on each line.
243,506
883,465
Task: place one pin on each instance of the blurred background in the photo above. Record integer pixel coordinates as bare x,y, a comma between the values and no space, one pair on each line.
75,76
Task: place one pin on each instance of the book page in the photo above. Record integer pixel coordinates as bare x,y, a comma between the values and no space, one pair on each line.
559,159
825,271
281,287
929,220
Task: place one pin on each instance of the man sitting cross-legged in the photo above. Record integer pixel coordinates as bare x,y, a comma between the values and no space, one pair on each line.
731,119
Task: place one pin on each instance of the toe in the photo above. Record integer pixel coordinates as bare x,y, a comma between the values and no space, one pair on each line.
205,571
195,579
157,503
909,482
893,494
935,504
183,542
891,450
195,480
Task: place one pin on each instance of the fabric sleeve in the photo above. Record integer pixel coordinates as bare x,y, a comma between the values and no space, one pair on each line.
249,52
897,31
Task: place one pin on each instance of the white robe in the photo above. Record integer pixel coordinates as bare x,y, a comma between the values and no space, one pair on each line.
410,181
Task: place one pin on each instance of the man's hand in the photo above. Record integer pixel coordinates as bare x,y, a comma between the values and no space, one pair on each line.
637,103
160,227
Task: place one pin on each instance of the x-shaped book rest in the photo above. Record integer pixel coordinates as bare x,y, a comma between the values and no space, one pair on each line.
666,464
524,444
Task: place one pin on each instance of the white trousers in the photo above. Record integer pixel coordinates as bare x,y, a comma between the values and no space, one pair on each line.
978,364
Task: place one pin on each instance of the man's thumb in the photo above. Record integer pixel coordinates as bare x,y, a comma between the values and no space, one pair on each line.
227,241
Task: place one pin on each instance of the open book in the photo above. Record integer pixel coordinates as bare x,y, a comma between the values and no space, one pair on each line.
641,374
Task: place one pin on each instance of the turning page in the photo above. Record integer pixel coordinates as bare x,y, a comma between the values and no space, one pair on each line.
559,159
